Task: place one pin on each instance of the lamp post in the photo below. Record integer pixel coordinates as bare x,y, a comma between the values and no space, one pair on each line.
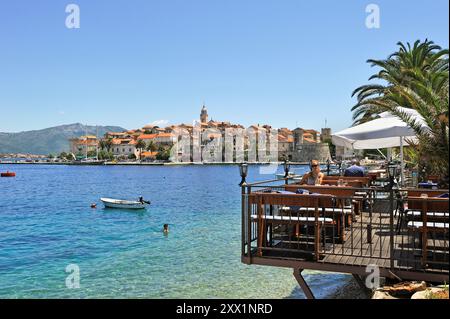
287,166
243,170
392,173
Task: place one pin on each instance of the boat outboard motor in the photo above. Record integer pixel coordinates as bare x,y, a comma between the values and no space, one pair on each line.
142,201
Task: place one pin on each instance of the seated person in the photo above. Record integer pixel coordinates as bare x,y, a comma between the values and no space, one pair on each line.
355,170
315,176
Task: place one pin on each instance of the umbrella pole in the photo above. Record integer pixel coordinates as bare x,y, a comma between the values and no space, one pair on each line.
402,165
382,154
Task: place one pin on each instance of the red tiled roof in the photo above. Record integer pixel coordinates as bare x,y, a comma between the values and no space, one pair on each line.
119,141
311,131
310,140
147,136
116,141
165,135
116,133
285,139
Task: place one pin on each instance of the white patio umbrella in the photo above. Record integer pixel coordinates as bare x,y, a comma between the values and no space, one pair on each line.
384,132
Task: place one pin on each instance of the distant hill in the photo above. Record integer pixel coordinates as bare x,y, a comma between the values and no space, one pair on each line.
53,140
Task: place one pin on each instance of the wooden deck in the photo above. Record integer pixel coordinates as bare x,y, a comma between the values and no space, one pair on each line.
356,252
407,253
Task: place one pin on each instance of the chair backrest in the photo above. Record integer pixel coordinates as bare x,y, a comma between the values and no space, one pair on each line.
341,191
428,192
429,204
301,200
364,179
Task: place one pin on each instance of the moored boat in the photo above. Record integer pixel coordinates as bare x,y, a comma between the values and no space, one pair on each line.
124,204
8,174
282,175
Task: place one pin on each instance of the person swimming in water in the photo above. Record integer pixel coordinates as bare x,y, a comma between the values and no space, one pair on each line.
166,228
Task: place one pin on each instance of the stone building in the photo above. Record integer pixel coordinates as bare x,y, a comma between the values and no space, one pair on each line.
83,145
124,147
308,146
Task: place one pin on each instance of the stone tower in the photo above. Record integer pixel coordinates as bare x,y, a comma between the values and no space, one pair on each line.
326,135
298,137
204,115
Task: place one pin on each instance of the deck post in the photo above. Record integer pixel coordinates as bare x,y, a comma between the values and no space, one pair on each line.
303,285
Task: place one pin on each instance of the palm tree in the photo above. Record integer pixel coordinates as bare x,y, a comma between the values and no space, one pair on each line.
433,140
108,144
152,147
140,145
102,144
408,67
414,77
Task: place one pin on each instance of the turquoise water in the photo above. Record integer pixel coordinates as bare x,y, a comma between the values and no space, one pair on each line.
46,223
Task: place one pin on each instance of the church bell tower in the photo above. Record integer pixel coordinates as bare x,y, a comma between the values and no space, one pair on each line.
204,115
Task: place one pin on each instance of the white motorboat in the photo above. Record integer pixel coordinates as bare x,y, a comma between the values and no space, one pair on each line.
282,175
125,204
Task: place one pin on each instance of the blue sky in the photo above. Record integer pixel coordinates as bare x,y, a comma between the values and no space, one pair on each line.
286,63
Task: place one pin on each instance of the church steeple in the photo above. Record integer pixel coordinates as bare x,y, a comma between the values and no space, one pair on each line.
204,114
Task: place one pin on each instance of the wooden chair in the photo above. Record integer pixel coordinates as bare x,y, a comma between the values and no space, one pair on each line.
343,214
429,208
315,202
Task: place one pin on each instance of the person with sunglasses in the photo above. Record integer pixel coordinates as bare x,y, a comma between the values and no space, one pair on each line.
315,176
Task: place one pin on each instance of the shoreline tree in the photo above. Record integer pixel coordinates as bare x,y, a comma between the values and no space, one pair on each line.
415,77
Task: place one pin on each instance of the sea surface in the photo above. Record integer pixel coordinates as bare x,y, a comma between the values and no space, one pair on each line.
46,225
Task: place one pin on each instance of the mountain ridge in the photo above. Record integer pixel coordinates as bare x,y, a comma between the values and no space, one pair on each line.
51,140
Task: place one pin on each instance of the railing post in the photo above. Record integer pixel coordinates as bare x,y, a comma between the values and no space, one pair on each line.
261,226
316,230
249,225
391,226
369,225
424,232
369,233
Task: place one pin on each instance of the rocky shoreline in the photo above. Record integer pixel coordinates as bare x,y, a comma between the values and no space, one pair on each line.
349,290
402,290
